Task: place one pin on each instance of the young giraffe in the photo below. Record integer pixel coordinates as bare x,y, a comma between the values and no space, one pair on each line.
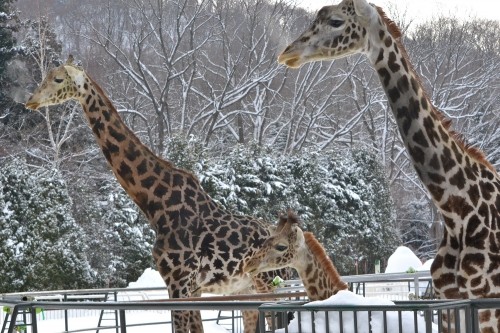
464,186
290,247
199,246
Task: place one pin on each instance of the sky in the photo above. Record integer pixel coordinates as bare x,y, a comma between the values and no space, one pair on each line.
427,9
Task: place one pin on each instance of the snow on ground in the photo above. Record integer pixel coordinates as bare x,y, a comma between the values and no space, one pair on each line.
345,297
402,260
149,279
89,324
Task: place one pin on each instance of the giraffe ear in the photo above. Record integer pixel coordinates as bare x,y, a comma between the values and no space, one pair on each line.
362,8
281,223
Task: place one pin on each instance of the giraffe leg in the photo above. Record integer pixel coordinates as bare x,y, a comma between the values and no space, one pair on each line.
250,319
185,321
195,323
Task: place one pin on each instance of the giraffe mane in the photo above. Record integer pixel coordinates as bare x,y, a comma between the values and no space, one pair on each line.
326,263
472,151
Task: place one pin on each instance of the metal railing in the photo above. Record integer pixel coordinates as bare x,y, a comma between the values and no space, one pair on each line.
402,317
122,308
23,307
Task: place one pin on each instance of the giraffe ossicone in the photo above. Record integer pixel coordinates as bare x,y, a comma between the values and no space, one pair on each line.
200,247
464,186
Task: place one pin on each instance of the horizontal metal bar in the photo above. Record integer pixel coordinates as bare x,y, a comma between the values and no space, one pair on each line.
392,277
201,305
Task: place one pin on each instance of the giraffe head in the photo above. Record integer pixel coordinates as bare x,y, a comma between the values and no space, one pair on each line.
337,31
280,249
62,83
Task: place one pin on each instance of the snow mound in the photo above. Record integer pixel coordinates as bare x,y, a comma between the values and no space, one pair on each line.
149,279
345,297
402,260
426,266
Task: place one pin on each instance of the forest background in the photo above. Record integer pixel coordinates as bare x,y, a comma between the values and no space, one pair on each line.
199,83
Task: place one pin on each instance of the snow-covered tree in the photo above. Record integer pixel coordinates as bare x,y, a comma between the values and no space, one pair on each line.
41,244
248,180
119,237
345,201
8,25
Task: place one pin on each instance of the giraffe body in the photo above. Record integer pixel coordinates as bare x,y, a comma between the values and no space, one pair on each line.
288,246
199,246
463,184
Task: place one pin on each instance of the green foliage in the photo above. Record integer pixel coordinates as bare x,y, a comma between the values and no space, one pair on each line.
8,25
248,180
186,153
40,243
119,237
42,247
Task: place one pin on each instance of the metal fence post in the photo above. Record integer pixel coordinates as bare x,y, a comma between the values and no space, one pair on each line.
66,325
262,321
34,326
428,320
123,323
13,319
469,318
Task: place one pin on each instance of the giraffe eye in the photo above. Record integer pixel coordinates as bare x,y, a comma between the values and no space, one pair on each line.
280,248
56,80
335,23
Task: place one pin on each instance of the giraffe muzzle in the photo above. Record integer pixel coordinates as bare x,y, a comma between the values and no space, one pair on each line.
32,105
290,59
251,268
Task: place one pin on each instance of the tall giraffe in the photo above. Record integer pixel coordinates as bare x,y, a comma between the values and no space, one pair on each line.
464,186
289,246
199,246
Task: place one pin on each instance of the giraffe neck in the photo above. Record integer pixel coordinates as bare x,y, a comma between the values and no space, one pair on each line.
445,165
149,180
317,272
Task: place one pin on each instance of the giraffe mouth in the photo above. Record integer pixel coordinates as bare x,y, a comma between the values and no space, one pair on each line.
290,59
32,105
250,269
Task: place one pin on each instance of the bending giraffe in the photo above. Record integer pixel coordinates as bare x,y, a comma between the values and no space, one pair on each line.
464,186
199,246
289,246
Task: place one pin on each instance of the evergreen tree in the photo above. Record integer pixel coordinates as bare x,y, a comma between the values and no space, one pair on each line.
248,180
41,243
119,237
8,25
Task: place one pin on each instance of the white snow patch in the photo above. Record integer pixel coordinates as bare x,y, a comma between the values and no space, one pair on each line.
150,278
7,212
402,260
345,297
426,266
